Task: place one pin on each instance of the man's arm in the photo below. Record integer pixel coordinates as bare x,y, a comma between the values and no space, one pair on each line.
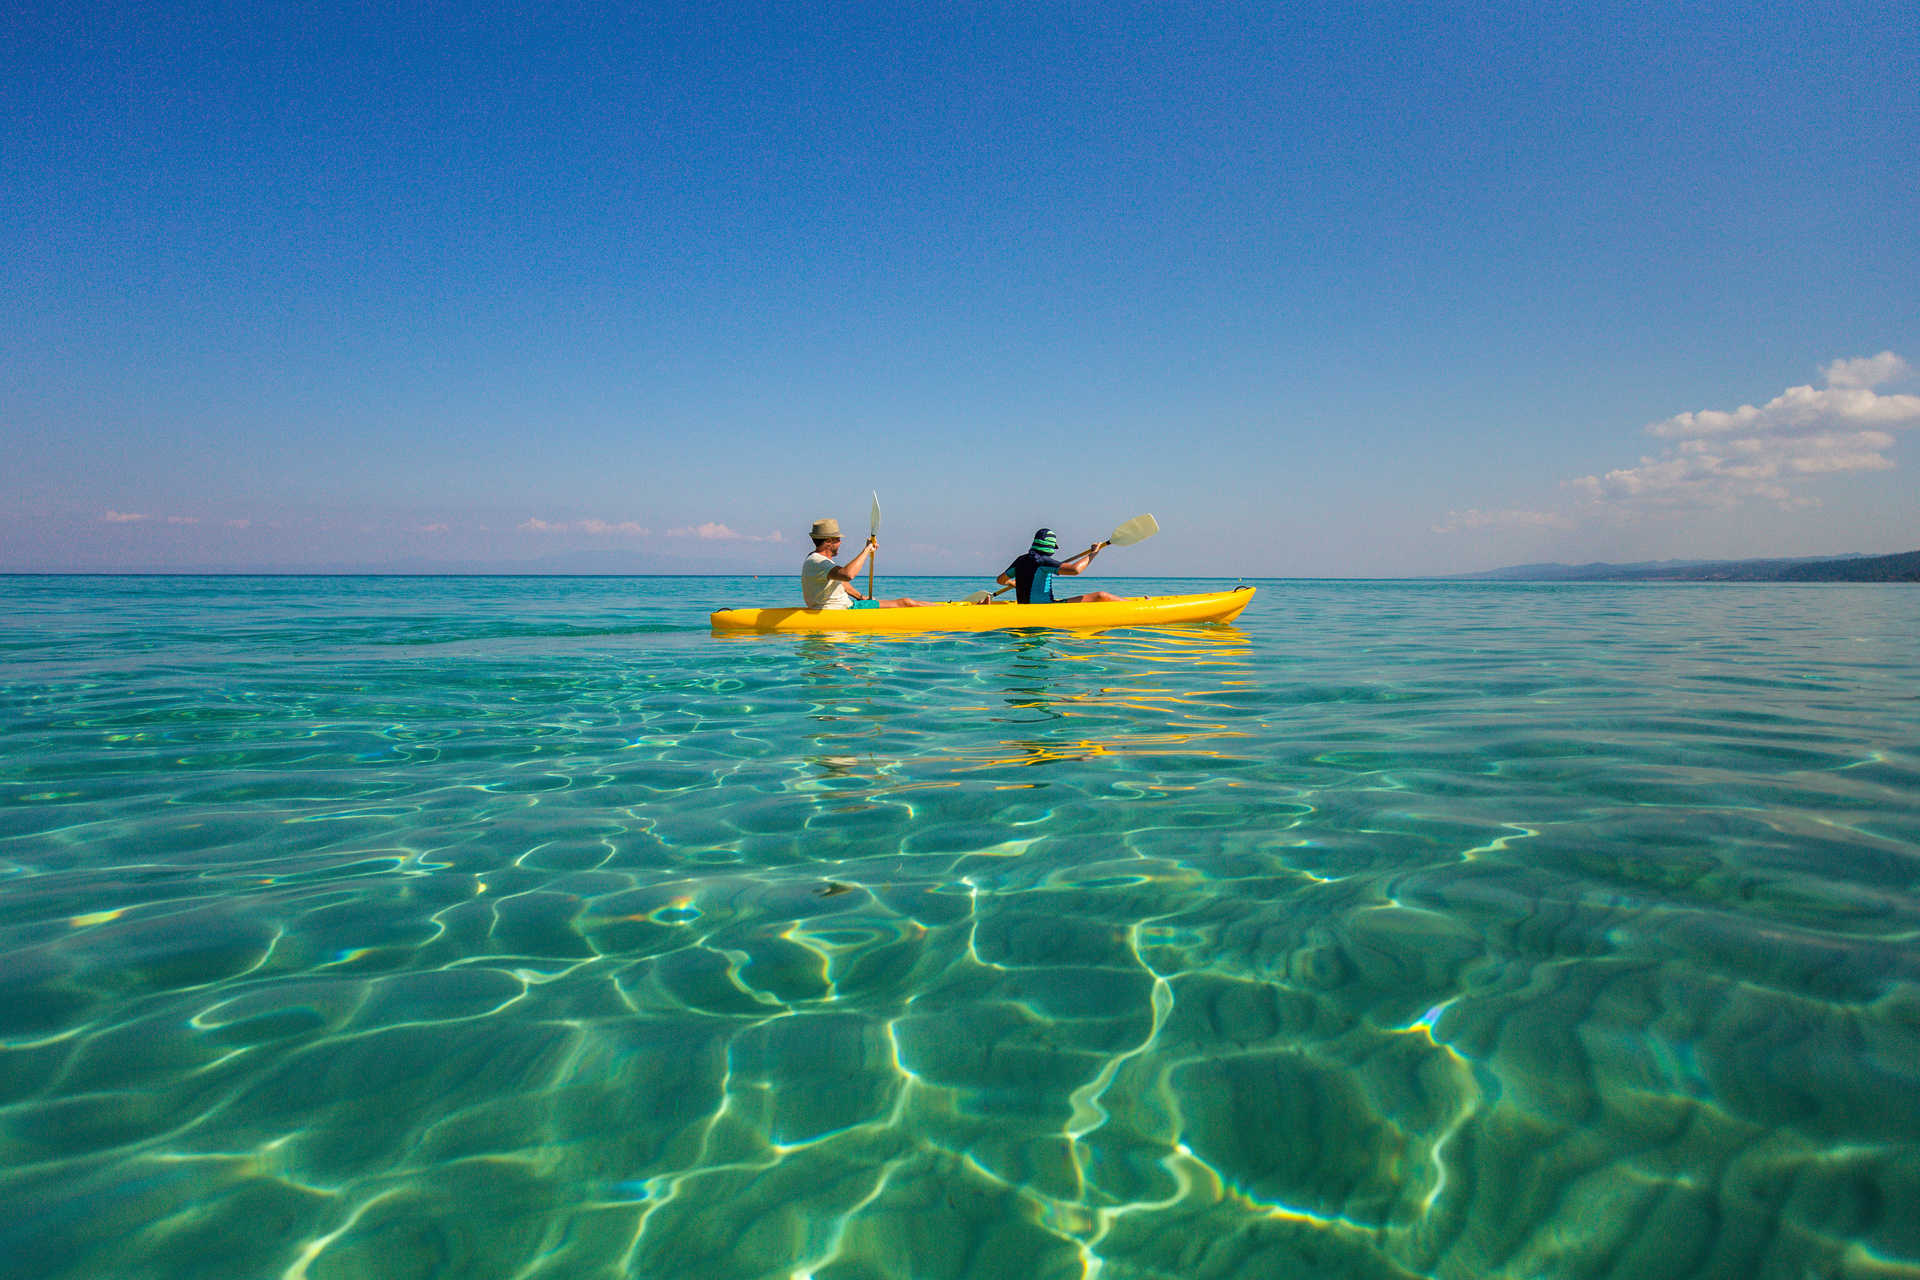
851,569
1081,561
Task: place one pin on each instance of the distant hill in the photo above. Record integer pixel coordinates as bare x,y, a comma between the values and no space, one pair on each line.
1903,567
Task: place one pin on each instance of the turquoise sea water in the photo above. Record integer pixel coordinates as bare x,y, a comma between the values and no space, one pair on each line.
395,927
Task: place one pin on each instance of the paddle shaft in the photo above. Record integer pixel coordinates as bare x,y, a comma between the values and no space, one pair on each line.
873,547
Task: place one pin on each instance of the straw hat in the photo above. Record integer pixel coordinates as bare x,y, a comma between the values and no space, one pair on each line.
827,528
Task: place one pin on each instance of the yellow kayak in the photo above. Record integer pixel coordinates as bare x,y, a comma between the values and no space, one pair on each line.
1145,611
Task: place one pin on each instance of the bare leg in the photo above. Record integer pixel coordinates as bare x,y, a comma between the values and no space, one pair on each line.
904,602
1092,597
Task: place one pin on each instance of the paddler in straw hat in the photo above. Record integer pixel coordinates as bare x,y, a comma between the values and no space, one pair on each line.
1032,574
826,585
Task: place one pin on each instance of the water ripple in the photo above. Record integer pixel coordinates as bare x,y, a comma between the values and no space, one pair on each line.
520,928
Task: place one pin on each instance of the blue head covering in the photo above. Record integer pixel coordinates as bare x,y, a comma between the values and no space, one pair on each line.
1045,542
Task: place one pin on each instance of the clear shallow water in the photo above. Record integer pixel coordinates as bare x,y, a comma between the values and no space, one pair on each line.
521,927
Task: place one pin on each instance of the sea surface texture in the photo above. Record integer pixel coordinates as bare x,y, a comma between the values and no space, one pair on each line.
468,927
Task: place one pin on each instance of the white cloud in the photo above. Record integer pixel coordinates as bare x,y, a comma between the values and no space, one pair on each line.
712,531
1866,371
1793,410
1721,458
629,528
1512,518
135,517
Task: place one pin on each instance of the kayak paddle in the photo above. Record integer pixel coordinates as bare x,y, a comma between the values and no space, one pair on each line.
1138,529
873,531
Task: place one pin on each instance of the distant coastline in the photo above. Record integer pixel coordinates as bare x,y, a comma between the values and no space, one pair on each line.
1901,567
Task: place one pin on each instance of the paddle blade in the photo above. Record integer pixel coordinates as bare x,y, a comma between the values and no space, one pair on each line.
978,597
1138,529
873,525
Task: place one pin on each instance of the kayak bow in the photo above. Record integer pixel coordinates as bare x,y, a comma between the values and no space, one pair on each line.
1145,611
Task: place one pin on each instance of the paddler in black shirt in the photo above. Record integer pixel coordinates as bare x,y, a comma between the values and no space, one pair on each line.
1032,574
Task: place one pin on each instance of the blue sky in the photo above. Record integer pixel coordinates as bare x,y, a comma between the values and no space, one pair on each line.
1332,290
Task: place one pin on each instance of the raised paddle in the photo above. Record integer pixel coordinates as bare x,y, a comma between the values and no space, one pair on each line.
1138,529
873,531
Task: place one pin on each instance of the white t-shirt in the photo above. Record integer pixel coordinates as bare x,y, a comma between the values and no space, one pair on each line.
819,589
